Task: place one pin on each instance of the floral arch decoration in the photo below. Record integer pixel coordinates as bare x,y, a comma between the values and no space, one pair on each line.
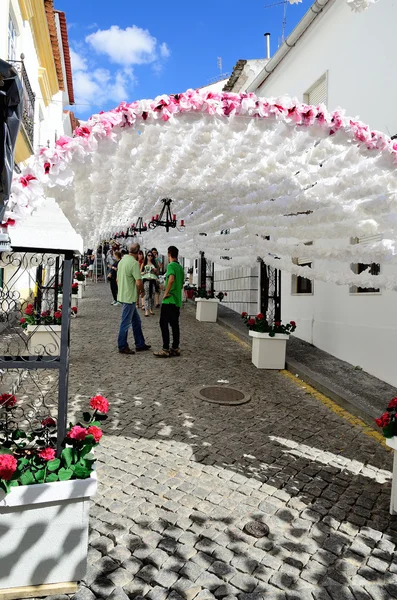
287,179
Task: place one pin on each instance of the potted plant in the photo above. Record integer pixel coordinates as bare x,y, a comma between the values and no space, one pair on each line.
388,423
77,289
268,341
43,330
190,291
44,498
207,305
79,276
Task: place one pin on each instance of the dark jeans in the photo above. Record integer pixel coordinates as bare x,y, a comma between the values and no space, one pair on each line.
130,318
114,288
169,316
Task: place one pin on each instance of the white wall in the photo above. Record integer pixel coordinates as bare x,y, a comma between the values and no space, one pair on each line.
241,285
359,54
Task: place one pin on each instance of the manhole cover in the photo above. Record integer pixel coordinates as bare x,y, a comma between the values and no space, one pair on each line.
222,395
256,529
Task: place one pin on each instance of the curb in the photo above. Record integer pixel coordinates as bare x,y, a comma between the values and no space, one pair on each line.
353,404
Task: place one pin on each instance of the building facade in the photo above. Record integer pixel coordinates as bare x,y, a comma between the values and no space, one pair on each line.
331,57
33,37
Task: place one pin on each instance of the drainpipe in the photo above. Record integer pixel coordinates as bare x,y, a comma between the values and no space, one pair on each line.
315,10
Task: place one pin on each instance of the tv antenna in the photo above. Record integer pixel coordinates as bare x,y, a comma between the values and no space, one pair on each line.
284,21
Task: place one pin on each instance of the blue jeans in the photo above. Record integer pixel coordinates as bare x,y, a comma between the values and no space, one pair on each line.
130,318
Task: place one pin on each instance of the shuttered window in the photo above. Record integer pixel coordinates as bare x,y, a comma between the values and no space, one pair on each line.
317,94
374,268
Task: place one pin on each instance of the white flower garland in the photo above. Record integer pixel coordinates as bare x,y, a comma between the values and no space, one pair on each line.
260,167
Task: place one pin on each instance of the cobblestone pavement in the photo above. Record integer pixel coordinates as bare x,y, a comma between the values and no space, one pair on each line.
180,477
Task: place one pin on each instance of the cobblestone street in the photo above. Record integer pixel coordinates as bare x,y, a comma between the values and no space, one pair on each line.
180,477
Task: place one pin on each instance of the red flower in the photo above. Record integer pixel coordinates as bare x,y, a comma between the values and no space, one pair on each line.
22,321
277,324
75,286
57,314
25,180
260,317
383,421
45,313
60,307
47,454
8,466
30,306
251,322
96,432
392,403
225,293
47,167
48,422
8,400
292,323
74,309
29,310
77,433
99,403
244,314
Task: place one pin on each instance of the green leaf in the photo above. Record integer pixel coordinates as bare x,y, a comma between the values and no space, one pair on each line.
53,465
51,478
81,472
65,474
13,483
96,423
86,450
23,462
67,456
87,417
6,451
39,475
27,478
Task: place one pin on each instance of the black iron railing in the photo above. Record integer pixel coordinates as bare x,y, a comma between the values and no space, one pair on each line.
28,99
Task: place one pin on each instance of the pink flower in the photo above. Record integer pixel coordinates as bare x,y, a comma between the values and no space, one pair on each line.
47,454
8,466
82,131
96,432
48,422
47,167
77,433
99,403
7,400
26,179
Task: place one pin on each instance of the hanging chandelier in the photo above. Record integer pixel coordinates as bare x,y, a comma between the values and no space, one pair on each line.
166,218
139,227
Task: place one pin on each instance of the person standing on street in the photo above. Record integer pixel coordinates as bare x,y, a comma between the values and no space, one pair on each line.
170,308
130,286
112,276
159,264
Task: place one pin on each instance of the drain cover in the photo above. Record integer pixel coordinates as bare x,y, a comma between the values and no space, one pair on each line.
256,529
222,395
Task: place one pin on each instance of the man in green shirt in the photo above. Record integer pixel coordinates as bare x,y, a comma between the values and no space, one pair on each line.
129,281
172,302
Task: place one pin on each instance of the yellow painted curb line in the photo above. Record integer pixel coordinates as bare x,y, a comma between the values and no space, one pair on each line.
338,410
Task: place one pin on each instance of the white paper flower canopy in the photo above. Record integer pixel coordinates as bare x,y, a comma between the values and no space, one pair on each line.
259,167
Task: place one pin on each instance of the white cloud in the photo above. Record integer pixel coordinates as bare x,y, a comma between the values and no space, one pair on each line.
79,63
164,50
129,46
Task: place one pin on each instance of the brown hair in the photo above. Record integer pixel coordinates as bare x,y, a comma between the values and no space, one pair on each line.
118,254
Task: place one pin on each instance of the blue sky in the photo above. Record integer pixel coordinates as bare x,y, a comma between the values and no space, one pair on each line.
125,50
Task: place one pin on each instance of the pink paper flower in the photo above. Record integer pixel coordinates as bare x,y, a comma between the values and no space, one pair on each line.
8,466
77,433
99,403
47,454
96,432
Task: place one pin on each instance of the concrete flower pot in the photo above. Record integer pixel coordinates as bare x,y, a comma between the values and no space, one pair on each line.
207,310
81,288
45,533
44,339
268,352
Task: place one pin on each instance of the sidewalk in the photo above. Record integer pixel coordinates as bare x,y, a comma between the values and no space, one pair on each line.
360,393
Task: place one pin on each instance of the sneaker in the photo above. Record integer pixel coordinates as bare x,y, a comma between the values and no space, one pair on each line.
175,352
126,350
114,303
162,354
143,348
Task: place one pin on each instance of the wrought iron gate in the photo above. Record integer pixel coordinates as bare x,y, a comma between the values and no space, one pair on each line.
206,273
270,293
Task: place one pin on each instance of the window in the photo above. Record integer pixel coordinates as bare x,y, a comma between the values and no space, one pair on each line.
374,268
317,94
302,285
12,39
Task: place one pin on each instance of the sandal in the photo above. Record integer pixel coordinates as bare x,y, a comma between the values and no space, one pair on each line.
162,354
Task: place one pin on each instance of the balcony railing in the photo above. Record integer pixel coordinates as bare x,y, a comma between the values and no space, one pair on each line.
28,99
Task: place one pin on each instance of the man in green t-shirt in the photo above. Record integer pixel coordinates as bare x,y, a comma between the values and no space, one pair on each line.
129,281
172,302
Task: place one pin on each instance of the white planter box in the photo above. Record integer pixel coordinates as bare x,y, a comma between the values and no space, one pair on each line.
268,352
207,310
44,339
45,533
392,443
